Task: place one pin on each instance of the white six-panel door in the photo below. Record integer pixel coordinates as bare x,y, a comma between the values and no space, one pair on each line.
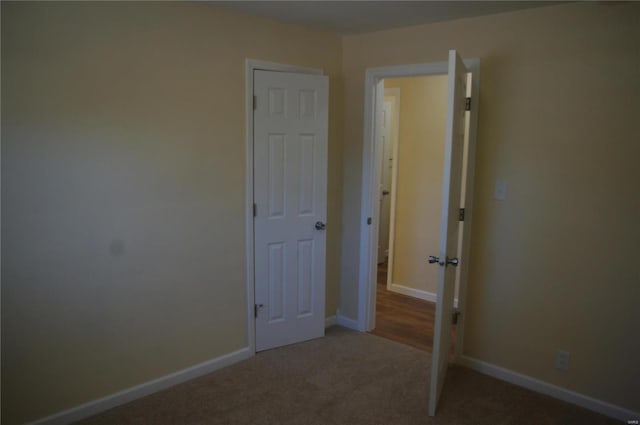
290,175
451,196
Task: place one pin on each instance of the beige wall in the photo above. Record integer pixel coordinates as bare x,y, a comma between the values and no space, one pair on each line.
419,179
555,265
123,151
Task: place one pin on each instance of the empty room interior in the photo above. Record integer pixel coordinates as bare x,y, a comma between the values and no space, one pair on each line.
223,212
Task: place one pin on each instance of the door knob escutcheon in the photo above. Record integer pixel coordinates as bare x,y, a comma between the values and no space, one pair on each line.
448,262
453,262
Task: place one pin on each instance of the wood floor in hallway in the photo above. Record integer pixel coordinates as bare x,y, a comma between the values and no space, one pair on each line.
403,318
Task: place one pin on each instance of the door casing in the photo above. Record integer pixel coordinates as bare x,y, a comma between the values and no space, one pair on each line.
250,66
371,175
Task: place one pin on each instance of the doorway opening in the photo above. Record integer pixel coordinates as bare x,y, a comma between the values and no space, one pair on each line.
412,133
451,259
371,177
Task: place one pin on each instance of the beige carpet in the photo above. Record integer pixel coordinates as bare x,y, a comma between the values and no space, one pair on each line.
345,378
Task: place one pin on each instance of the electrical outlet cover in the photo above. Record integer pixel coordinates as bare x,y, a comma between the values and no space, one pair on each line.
562,360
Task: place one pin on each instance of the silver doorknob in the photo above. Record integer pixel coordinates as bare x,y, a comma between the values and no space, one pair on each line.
320,225
453,262
433,260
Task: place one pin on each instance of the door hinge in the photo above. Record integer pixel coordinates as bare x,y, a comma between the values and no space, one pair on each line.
467,104
369,221
255,210
461,214
255,102
455,316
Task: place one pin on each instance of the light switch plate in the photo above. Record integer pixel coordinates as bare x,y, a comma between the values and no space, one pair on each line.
500,191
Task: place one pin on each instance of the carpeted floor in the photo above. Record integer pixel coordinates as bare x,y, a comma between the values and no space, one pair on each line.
345,378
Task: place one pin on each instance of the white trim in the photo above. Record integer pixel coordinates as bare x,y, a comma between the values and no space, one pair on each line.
413,292
330,321
371,174
551,390
130,394
250,66
417,293
347,322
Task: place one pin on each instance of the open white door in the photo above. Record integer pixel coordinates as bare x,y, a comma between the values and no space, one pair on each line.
451,188
290,195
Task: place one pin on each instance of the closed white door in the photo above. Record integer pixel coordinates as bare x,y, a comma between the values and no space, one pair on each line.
451,195
290,193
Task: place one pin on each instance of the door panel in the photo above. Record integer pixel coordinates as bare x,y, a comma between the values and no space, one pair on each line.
276,172
451,196
307,194
276,282
290,163
305,277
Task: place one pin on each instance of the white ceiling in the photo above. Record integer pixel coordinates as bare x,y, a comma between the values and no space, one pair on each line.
352,17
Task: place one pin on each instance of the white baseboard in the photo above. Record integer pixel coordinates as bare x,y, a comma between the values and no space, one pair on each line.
346,322
330,321
100,405
417,293
551,390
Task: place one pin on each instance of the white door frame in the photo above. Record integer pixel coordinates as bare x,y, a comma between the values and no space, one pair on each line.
371,175
250,66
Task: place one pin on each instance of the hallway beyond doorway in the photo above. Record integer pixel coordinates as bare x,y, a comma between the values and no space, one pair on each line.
405,319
